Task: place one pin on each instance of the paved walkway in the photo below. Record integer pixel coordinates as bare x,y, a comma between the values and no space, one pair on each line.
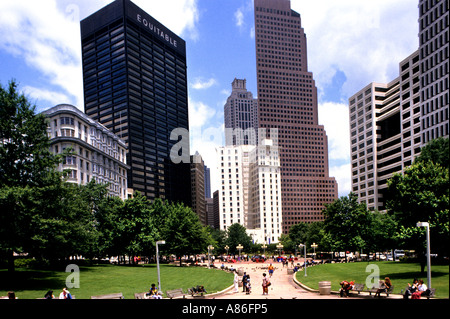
283,285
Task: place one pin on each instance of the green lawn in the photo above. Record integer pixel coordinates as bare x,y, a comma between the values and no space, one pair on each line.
105,279
400,274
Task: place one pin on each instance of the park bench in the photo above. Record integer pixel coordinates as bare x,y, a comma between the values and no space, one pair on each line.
431,294
143,295
175,293
109,296
375,289
358,288
428,296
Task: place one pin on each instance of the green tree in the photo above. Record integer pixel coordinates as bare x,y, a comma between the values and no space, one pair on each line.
236,234
181,229
436,151
421,193
25,157
27,169
347,224
136,229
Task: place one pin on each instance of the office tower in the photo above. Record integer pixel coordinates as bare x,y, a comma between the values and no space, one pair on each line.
210,212
135,84
385,132
434,67
198,187
216,210
207,182
98,154
241,115
250,192
287,102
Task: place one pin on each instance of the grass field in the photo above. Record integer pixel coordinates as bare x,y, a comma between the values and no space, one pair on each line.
105,279
400,274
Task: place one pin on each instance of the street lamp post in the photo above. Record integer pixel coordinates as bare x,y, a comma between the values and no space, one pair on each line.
304,246
226,248
280,248
160,242
427,226
210,247
264,246
314,246
239,247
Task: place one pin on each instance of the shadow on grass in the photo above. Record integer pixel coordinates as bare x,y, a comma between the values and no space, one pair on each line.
415,274
21,280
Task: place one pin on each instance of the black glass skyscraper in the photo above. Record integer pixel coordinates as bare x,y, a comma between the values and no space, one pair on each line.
135,83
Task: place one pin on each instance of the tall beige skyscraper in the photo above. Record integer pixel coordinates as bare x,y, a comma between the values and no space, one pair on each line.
287,102
434,68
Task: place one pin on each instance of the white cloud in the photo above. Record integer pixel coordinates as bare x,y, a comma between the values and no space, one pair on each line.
205,136
37,95
334,118
342,175
199,114
182,20
364,39
200,84
239,17
46,35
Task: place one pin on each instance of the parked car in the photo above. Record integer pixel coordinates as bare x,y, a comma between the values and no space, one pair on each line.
259,259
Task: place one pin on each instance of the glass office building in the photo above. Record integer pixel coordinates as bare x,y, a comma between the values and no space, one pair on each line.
135,84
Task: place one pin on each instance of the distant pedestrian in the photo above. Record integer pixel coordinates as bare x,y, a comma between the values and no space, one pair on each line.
271,269
244,282
265,284
248,285
236,281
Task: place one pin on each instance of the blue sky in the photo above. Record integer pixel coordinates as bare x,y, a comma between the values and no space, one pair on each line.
350,44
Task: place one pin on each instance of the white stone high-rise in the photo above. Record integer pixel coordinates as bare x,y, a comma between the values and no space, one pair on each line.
250,191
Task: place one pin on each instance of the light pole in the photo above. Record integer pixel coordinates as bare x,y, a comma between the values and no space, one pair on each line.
239,247
280,248
304,246
314,246
427,226
226,248
210,247
264,246
160,242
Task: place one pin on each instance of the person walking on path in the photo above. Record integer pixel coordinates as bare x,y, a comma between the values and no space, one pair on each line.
236,281
265,284
244,282
271,268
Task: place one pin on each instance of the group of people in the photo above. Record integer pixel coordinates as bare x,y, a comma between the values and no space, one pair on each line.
65,294
246,284
416,290
346,286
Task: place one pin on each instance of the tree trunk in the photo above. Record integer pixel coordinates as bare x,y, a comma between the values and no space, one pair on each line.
11,261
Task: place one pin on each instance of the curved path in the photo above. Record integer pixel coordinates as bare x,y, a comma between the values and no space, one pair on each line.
283,285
